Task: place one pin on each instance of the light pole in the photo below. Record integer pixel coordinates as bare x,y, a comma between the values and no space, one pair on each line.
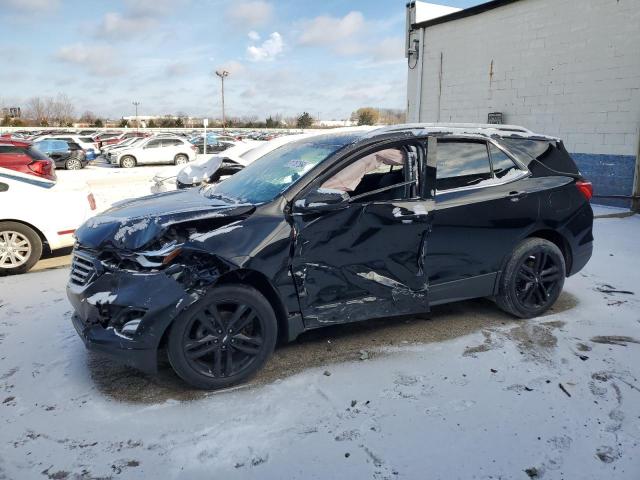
136,104
222,74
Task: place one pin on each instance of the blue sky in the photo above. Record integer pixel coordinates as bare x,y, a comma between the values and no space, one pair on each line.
327,57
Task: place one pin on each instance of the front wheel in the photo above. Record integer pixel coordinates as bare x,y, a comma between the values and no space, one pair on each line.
127,162
20,248
224,338
533,278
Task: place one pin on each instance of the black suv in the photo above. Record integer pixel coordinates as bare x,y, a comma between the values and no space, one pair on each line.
64,153
334,228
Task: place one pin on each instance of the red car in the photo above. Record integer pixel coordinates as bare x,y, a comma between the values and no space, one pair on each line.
22,157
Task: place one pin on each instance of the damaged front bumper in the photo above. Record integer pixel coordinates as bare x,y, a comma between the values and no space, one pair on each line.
123,313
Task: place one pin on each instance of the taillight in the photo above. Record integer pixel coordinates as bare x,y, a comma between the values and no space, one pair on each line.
586,188
44,168
92,201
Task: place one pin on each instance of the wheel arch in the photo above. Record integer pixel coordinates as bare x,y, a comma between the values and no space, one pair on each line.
559,240
260,282
549,234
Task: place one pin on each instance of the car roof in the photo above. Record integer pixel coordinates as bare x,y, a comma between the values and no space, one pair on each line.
479,129
14,143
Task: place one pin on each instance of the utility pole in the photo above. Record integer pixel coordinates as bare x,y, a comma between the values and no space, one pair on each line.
136,103
222,74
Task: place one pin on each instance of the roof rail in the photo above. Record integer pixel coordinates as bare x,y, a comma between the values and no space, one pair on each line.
475,126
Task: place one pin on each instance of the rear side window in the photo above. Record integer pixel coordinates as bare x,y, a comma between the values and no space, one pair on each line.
36,154
171,142
503,166
462,164
10,149
552,158
153,144
86,139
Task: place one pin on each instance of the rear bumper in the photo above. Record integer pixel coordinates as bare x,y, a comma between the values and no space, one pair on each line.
580,258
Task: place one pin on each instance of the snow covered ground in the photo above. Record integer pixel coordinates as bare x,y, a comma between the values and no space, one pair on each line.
468,393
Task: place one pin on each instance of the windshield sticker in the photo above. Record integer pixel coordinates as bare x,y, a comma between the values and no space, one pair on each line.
297,163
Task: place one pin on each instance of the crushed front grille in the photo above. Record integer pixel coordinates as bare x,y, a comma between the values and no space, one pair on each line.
82,269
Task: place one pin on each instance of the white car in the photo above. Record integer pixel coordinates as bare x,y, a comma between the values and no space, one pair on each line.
37,214
175,150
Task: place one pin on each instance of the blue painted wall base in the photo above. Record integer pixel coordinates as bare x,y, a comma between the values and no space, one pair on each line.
610,175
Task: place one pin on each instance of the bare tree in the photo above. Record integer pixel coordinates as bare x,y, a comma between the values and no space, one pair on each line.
37,110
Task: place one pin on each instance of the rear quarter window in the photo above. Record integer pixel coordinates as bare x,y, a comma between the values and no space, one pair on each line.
542,157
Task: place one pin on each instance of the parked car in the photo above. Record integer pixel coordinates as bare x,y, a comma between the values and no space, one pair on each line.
30,219
152,150
87,143
122,137
213,146
67,155
21,156
325,230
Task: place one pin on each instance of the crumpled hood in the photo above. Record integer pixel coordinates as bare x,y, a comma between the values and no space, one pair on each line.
132,224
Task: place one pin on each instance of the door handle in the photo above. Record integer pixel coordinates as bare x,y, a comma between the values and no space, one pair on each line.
515,196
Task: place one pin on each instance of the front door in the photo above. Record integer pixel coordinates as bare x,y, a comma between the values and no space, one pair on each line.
365,258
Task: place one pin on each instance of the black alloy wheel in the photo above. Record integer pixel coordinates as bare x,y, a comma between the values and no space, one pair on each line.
224,338
533,278
537,279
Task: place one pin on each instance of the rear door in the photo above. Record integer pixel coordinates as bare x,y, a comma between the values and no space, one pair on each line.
484,205
13,157
365,258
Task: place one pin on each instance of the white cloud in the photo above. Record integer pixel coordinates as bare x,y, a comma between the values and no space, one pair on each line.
339,34
251,14
388,50
153,8
114,25
96,59
30,6
253,35
269,49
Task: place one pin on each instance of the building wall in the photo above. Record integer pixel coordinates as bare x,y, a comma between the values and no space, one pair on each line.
560,67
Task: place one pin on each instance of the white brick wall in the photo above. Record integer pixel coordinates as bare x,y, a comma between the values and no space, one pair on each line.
561,67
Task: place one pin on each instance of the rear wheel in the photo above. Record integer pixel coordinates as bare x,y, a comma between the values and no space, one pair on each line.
181,159
20,248
224,338
128,162
73,164
533,278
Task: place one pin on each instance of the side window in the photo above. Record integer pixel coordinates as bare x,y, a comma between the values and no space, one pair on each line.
503,166
461,164
59,146
10,149
153,144
383,169
171,142
43,146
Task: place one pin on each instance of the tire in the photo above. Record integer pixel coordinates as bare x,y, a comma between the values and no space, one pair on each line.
17,238
199,345
532,279
181,159
128,162
73,164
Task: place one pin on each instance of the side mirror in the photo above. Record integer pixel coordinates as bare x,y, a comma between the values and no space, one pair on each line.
322,199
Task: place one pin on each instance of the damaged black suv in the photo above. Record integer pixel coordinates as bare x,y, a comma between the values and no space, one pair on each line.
333,228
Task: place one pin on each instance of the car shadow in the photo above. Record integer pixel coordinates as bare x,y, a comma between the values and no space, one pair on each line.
317,348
